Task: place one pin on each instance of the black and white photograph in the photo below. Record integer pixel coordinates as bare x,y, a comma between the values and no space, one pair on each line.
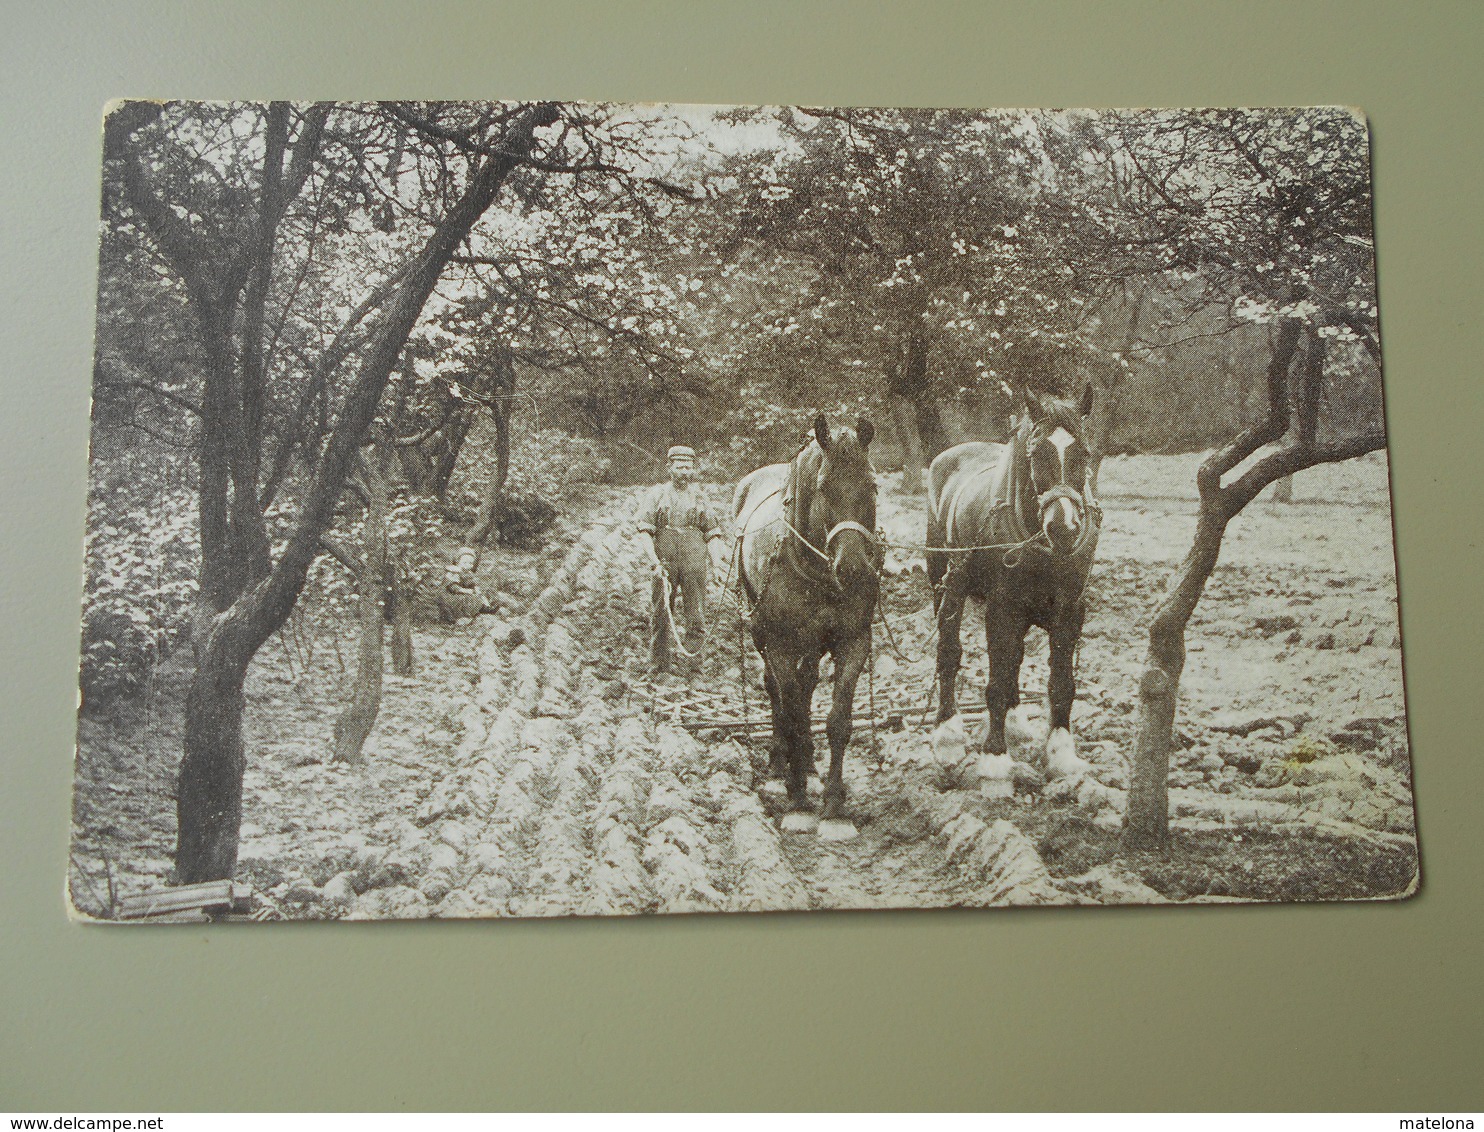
543,509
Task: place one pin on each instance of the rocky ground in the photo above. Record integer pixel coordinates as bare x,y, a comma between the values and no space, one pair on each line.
526,771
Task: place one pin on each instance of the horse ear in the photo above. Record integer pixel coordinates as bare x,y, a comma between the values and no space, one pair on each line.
865,432
822,431
1034,410
1087,400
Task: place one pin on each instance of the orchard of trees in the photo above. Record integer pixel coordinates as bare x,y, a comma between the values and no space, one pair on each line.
329,335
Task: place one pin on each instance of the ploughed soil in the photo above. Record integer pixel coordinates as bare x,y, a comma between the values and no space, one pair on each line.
531,767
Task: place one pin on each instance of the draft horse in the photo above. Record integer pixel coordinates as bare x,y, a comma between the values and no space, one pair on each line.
808,560
1016,525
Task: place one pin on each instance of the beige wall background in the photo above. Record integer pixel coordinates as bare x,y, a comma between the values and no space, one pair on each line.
1335,1007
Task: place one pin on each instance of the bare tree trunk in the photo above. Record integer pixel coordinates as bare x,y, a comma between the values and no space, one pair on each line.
1147,821
1146,824
428,459
448,459
494,488
908,381
208,802
359,716
400,600
417,465
1105,409
914,467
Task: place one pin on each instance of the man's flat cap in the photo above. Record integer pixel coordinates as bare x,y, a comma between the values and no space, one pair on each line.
680,452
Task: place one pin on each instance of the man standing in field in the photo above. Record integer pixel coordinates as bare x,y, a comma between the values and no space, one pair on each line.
681,537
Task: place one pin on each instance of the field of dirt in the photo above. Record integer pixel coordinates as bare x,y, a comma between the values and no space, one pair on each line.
528,767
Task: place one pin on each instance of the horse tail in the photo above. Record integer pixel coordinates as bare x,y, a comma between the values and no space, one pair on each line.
739,495
937,534
742,509
940,471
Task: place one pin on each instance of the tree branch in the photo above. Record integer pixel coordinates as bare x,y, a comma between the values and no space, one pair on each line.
1268,430
172,234
334,354
358,408
111,361
461,141
680,192
1295,458
306,149
342,555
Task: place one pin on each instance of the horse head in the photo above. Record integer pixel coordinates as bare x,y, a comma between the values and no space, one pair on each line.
1055,446
842,513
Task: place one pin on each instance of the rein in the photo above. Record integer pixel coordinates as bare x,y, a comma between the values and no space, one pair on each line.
871,536
670,618
1022,537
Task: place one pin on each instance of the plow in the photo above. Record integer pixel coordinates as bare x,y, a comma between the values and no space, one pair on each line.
903,701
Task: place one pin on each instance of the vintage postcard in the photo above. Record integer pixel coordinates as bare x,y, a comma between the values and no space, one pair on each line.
552,509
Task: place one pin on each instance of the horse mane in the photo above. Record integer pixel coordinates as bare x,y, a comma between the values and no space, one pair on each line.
1019,492
1058,414
803,476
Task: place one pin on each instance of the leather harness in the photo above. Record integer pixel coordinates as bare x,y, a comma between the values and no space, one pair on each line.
1012,471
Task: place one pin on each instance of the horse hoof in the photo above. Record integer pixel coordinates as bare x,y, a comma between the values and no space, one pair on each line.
837,829
773,788
814,786
800,822
948,741
1062,760
994,772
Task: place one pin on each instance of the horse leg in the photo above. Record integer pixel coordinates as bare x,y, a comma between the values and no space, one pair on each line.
949,599
808,681
849,663
937,563
1062,760
778,744
793,711
1004,636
